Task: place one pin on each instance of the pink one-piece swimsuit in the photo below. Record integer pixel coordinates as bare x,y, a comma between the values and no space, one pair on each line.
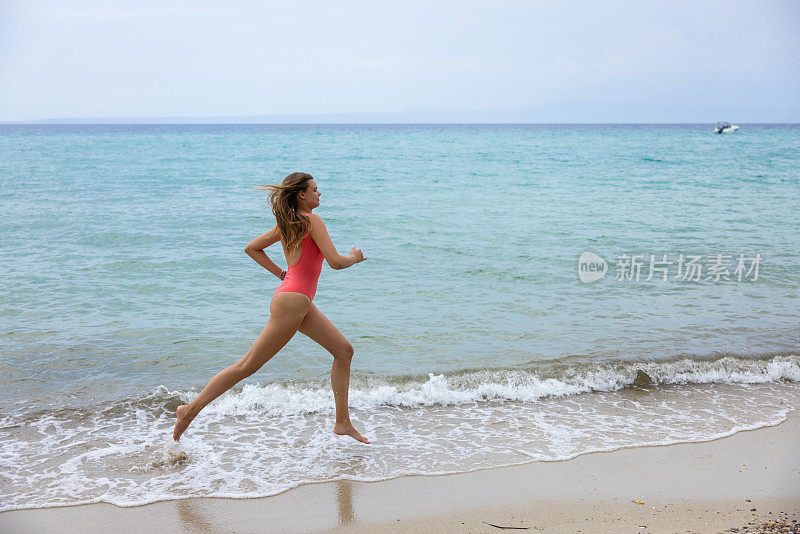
302,277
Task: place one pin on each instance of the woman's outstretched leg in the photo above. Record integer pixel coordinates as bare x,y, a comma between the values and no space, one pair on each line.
340,382
286,315
322,330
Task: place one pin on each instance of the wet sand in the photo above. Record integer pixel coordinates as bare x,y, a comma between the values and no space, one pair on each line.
693,487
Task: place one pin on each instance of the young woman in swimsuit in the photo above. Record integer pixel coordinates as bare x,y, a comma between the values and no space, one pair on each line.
305,242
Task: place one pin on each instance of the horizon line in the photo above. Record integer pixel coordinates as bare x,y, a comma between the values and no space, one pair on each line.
45,122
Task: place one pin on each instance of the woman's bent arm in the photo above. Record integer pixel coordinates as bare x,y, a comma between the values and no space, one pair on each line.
262,259
319,233
255,249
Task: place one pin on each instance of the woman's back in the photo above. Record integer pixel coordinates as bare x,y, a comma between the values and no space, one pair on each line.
304,266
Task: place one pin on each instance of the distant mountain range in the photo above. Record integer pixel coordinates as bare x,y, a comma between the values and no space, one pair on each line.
579,111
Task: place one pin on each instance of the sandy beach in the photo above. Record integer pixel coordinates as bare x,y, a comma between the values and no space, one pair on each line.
738,481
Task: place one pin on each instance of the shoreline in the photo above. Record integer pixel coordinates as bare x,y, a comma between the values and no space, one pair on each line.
695,487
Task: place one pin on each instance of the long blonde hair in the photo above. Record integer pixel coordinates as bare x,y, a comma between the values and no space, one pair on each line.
283,200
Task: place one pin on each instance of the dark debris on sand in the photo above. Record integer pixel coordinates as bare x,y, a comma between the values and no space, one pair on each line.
780,524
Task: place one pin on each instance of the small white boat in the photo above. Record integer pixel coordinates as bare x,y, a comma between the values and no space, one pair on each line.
725,127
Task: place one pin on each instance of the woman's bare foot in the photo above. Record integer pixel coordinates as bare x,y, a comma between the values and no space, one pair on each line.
346,429
184,418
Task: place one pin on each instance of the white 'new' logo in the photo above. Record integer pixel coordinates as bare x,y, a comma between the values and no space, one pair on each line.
591,267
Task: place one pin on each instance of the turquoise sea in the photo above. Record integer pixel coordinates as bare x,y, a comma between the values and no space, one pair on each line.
125,288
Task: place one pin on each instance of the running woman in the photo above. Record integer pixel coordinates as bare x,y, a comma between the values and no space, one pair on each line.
305,243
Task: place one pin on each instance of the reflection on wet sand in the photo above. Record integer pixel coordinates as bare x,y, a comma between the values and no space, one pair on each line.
349,465
191,518
344,499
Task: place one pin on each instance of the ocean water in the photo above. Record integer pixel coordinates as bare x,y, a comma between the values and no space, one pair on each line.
125,288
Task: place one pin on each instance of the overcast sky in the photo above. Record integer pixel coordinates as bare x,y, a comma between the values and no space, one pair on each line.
143,59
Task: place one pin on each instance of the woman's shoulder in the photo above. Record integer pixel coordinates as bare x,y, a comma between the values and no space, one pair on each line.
314,218
317,229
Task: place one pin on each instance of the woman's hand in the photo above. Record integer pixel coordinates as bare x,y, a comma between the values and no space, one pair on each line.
357,255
